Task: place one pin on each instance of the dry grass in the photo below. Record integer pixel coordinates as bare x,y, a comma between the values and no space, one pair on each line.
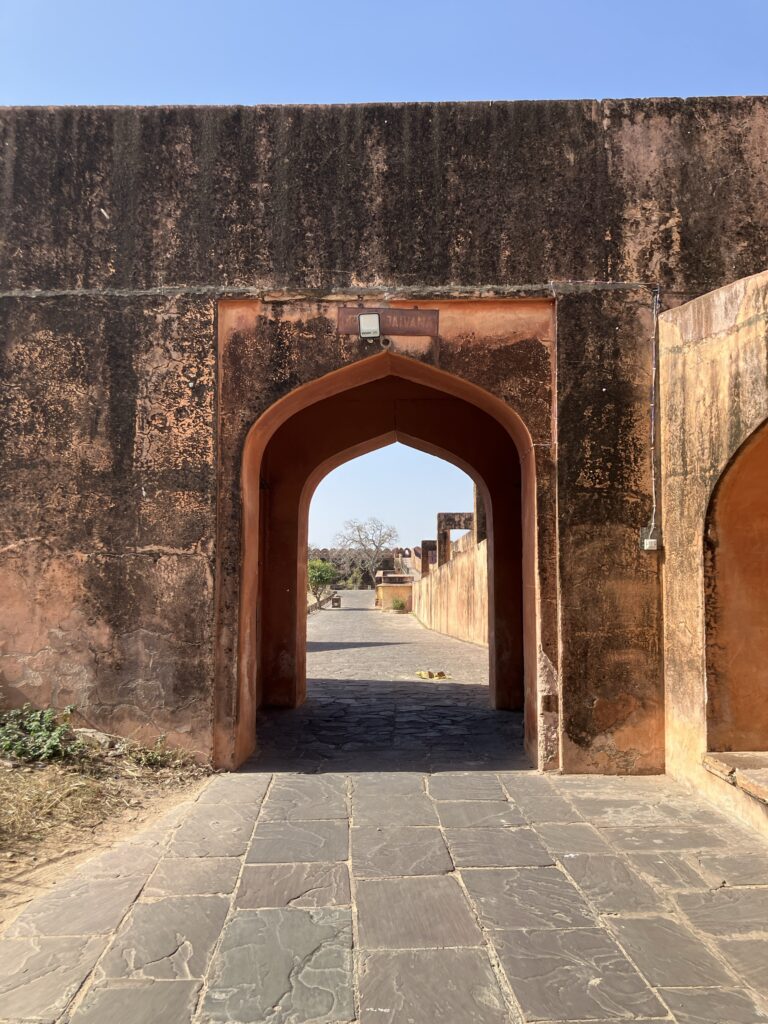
35,801
93,791
67,799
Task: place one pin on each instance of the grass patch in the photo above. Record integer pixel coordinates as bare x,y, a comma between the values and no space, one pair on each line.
37,801
56,782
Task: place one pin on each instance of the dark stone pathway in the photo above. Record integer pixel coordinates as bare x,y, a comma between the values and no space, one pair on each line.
367,710
390,859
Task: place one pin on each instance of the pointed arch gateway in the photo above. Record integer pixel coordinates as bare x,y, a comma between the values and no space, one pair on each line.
319,426
736,600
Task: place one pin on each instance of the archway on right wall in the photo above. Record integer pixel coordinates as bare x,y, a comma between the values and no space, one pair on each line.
736,601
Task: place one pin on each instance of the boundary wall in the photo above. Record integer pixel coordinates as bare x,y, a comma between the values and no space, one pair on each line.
453,598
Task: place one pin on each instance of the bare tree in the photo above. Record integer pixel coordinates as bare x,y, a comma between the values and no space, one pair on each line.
366,542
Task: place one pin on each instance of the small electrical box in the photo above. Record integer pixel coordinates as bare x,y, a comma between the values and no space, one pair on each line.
650,538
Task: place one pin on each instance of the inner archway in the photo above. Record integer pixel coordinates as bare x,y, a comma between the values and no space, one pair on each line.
352,411
736,570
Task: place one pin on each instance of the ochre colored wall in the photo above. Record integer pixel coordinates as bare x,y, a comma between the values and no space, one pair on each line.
386,593
736,602
713,378
509,342
124,232
596,673
453,598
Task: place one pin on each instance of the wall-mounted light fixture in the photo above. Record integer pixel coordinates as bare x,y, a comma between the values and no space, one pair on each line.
370,326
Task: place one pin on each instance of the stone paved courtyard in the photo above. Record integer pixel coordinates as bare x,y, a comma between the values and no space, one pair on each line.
390,858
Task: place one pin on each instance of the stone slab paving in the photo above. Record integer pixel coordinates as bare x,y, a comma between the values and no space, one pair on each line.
390,857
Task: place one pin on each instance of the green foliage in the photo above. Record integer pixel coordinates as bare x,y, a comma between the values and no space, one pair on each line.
398,604
320,577
38,735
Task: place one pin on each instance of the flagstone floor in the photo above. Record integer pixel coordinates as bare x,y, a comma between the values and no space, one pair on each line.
390,858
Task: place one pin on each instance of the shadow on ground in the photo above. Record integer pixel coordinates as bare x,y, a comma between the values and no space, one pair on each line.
344,645
371,725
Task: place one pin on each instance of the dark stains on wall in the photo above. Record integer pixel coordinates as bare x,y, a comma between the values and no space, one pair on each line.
692,173
520,374
108,525
108,467
418,194
609,588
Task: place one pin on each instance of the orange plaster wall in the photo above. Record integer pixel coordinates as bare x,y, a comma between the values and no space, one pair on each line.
386,593
453,598
713,387
495,357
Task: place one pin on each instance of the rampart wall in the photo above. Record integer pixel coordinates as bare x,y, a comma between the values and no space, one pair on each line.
124,232
453,597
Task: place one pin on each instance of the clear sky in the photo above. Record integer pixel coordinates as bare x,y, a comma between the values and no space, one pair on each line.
403,487
335,51
352,51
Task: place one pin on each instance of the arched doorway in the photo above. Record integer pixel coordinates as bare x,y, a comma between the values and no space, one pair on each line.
736,601
337,417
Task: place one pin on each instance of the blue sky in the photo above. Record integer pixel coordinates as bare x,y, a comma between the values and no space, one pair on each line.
284,51
399,485
337,51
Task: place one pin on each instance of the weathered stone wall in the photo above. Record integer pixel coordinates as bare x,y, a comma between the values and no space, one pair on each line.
714,395
120,229
504,347
453,598
472,194
108,511
610,603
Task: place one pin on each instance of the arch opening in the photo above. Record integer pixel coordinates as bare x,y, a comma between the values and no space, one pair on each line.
318,427
736,601
446,609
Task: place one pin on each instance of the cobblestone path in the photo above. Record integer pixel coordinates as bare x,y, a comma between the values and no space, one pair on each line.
390,859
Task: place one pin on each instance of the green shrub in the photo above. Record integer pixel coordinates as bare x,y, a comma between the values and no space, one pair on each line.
38,735
398,604
320,577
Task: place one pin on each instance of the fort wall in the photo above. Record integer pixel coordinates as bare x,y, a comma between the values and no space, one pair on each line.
453,597
129,235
